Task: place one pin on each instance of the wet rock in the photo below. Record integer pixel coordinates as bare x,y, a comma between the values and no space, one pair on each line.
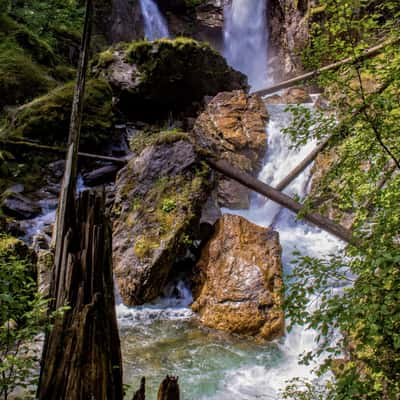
152,79
239,280
233,126
101,175
117,21
289,22
19,206
159,196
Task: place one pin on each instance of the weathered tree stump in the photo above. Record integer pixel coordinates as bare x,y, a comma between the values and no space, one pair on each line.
82,356
141,393
169,389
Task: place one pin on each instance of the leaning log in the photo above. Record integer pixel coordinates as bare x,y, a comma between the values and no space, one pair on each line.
369,53
278,197
17,144
285,182
82,356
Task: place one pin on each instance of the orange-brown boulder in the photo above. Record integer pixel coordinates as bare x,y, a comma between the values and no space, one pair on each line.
238,283
233,127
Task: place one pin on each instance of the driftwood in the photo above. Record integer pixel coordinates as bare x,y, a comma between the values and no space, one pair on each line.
369,53
275,195
82,356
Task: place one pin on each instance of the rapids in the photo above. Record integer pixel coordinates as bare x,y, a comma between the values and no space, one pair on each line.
163,338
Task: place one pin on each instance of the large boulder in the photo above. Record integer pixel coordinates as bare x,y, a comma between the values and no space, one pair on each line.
153,79
233,127
46,119
159,196
239,280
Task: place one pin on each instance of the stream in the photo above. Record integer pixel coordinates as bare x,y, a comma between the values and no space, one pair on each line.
164,338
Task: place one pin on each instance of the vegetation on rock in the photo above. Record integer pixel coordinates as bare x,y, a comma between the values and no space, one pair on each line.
164,76
46,119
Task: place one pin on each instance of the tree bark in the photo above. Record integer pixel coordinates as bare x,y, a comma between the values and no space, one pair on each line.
169,389
254,184
141,393
82,356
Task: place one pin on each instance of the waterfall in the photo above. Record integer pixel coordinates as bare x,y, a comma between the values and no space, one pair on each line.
155,26
246,39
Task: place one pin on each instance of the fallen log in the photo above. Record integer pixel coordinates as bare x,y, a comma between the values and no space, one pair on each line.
60,150
285,182
254,184
369,53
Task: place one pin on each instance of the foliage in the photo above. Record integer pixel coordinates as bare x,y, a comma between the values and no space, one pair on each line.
357,290
48,17
22,313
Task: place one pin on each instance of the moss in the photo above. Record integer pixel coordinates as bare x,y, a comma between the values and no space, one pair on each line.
144,139
103,59
20,78
39,50
47,118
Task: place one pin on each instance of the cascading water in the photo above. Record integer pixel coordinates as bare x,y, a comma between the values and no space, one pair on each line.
163,338
246,39
155,26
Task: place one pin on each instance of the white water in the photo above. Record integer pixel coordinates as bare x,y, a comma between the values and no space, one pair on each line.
246,39
163,338
155,26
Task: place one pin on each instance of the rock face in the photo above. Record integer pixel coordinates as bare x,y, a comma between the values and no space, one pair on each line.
155,78
117,21
203,20
233,126
157,209
239,280
289,22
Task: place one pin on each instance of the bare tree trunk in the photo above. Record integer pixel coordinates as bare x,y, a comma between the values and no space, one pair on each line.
82,356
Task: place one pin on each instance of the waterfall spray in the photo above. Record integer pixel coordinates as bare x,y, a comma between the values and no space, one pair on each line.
246,39
155,26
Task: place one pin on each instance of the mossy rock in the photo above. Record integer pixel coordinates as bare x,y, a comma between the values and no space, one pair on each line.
159,197
20,78
156,78
46,119
39,50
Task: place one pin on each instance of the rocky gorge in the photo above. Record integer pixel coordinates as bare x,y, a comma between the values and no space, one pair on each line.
182,234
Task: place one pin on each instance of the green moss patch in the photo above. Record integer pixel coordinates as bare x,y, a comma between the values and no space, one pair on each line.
47,118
